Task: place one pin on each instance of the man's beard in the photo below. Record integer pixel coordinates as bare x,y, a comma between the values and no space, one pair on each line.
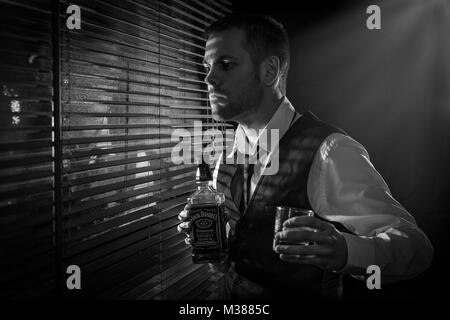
244,106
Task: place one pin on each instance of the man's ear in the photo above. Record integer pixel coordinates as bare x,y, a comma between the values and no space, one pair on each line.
271,69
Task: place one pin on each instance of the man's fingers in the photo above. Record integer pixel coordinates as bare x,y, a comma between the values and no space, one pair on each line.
317,250
299,235
183,215
184,226
304,259
304,221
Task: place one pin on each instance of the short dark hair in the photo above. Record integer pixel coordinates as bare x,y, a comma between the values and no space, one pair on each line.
265,36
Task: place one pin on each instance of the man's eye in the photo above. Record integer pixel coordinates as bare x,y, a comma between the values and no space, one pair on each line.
226,65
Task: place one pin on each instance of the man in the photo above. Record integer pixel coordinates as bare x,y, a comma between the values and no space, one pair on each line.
357,222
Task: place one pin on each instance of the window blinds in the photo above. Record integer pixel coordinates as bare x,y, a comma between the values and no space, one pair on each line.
129,77
27,255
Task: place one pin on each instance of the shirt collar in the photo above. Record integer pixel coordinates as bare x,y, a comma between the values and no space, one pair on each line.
280,120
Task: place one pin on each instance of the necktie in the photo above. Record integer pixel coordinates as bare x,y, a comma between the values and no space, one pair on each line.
246,183
247,169
248,172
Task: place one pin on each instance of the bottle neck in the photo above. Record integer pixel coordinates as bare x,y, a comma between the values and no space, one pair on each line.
202,184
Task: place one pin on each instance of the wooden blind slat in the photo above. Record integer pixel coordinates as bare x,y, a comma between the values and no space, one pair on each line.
143,287
120,236
129,172
116,150
189,285
123,160
120,197
208,8
132,182
143,125
142,191
20,178
25,161
32,144
165,205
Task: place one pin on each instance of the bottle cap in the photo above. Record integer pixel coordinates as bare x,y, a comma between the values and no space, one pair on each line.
203,172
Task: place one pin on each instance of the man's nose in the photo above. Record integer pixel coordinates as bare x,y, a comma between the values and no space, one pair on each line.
211,79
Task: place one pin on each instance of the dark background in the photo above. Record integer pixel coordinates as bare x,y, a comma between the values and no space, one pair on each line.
390,90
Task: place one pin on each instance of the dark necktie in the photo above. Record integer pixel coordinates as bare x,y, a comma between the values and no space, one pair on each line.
247,169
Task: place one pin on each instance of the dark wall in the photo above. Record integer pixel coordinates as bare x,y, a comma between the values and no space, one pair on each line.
390,90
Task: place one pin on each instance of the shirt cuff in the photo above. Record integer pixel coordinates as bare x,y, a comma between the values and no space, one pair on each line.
360,254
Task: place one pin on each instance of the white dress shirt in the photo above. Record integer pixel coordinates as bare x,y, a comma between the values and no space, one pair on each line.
344,186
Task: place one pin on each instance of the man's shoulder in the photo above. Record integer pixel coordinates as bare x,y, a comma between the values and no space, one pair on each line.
309,125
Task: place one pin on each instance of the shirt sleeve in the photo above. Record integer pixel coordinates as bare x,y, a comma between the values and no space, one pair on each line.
344,186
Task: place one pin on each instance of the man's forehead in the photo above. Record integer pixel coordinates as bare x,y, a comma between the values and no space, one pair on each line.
229,42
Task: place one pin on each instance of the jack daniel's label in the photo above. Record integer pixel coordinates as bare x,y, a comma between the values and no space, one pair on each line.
206,227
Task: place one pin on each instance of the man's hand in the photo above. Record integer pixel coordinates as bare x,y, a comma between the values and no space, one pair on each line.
329,250
185,225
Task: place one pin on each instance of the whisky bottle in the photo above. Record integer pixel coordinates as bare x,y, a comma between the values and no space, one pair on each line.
206,213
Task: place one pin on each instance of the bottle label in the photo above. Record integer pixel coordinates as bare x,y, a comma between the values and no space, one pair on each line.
206,227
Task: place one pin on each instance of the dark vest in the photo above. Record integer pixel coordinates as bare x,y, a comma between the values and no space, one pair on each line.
251,234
